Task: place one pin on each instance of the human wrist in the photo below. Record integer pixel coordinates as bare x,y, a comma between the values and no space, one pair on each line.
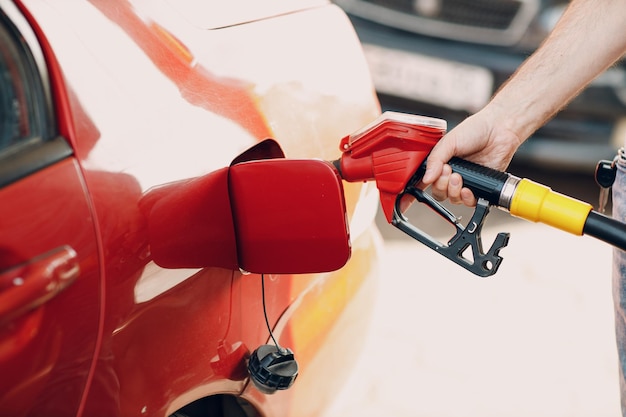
518,117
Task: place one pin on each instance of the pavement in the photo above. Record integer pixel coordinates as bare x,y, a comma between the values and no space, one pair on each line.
536,339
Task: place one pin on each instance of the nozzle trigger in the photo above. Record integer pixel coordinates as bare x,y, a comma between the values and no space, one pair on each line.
466,238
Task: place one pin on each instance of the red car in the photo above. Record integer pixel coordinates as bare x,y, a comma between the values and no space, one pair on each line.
164,193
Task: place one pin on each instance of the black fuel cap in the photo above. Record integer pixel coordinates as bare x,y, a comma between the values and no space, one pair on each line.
272,368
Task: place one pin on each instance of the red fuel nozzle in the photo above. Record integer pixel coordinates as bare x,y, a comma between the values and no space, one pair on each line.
390,151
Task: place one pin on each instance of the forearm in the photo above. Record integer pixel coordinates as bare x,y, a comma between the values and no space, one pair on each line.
557,72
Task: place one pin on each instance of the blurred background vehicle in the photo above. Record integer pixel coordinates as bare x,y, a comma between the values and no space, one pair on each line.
445,58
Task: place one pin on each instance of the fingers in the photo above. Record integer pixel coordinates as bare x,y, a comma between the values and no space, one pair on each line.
444,184
468,198
434,170
449,186
438,158
439,188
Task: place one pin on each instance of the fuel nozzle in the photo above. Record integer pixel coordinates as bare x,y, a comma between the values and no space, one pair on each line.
392,151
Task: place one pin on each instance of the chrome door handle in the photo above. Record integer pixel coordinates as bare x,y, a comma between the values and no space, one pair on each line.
31,284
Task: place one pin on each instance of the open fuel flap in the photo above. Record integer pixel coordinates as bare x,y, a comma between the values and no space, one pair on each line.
262,214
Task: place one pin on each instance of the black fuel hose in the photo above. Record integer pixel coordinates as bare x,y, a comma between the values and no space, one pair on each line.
606,229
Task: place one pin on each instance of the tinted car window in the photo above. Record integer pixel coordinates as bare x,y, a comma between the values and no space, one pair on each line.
22,101
28,139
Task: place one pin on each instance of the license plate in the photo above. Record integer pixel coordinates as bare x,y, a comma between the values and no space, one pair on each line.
444,83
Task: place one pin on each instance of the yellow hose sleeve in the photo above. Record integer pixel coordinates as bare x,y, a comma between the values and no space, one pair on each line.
538,203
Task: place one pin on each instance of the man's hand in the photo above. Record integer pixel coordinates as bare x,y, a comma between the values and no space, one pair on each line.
476,139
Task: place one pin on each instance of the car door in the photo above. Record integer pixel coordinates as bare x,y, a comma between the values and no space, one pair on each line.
49,262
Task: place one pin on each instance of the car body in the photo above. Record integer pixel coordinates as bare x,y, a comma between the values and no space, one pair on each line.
112,112
445,58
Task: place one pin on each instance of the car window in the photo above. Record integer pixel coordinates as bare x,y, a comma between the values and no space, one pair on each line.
22,101
28,139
